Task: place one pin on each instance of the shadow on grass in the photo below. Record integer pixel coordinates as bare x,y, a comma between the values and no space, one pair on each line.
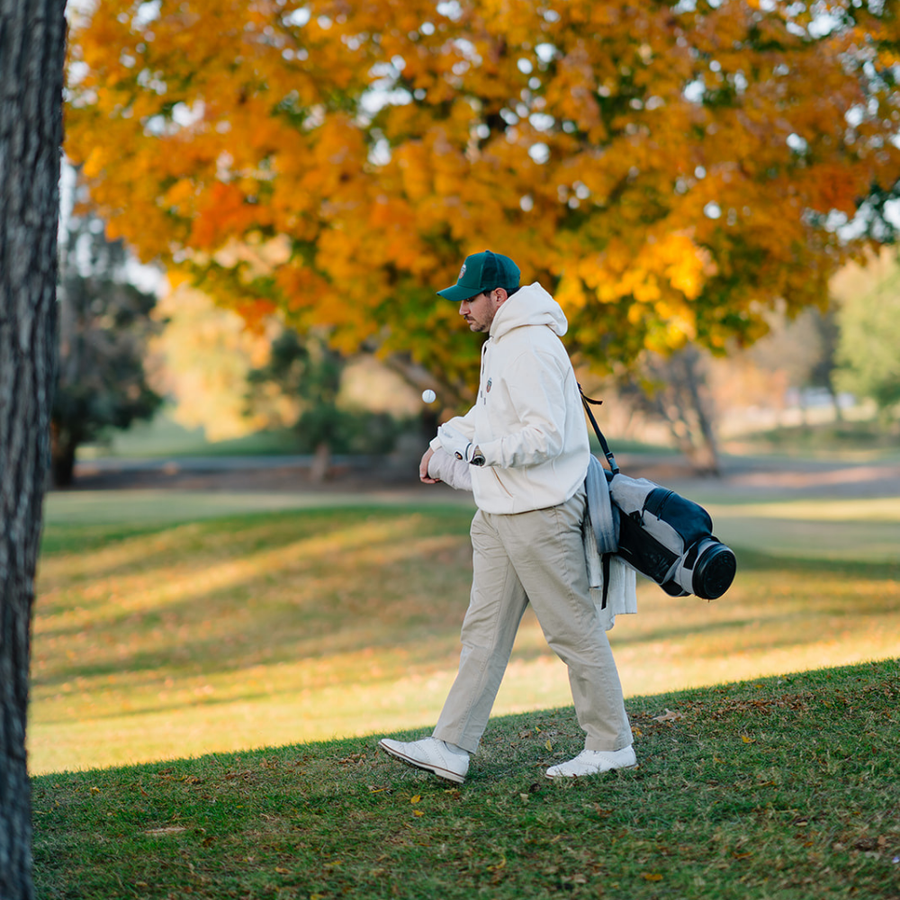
759,561
395,612
270,529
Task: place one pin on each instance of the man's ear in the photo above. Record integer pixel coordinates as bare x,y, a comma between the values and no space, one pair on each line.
501,296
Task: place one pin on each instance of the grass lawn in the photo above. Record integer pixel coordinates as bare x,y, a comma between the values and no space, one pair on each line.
195,659
158,637
776,789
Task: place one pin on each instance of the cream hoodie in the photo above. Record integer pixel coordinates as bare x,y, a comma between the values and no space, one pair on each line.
528,419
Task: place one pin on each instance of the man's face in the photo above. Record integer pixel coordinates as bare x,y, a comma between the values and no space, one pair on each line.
479,311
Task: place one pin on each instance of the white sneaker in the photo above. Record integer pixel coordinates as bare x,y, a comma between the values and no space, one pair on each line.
592,762
430,754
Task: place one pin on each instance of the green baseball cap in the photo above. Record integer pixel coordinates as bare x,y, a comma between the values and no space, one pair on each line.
480,272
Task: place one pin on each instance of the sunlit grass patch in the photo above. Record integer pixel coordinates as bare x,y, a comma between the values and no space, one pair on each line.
268,608
776,788
265,629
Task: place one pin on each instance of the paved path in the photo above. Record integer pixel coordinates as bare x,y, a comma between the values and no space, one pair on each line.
743,479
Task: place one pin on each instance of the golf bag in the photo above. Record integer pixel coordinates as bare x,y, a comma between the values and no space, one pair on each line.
657,532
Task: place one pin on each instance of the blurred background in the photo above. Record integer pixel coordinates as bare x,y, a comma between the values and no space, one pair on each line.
259,201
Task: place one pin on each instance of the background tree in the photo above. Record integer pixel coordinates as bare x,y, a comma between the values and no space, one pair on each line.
310,373
869,347
670,170
104,327
674,390
804,349
200,362
32,49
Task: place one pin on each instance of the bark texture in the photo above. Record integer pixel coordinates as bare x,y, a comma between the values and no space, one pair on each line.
32,50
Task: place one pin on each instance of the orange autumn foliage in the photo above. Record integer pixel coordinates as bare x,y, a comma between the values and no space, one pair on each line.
669,170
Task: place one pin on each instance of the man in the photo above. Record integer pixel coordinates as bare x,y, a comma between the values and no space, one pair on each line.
526,443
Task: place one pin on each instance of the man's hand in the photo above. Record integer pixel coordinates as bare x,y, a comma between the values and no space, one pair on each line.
424,477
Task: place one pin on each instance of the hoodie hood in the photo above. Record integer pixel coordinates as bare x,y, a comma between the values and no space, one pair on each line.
530,305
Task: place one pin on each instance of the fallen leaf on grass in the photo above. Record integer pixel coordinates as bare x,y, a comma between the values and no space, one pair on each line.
651,876
548,745
748,740
172,829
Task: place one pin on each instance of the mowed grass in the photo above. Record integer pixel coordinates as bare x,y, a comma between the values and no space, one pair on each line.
157,637
776,789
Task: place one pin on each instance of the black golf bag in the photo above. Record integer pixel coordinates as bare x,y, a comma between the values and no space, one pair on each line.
661,534
669,539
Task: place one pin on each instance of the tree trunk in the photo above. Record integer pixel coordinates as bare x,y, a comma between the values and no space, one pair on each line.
321,463
836,403
677,395
32,48
705,458
63,448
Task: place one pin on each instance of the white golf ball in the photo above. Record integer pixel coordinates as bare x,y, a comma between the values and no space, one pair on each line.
429,396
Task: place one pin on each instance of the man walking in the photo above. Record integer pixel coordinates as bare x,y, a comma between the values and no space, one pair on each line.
526,443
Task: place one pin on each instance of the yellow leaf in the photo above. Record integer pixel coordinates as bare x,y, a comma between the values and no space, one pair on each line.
548,745
748,740
415,799
652,876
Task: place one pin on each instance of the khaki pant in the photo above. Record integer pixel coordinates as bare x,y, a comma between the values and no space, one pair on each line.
535,557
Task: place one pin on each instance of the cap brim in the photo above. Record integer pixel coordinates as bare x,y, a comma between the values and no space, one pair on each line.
459,292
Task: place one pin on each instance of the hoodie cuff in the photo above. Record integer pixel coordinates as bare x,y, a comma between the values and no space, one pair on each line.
488,452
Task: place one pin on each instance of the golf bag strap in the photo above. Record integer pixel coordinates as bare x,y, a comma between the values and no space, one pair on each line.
603,519
587,401
607,574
